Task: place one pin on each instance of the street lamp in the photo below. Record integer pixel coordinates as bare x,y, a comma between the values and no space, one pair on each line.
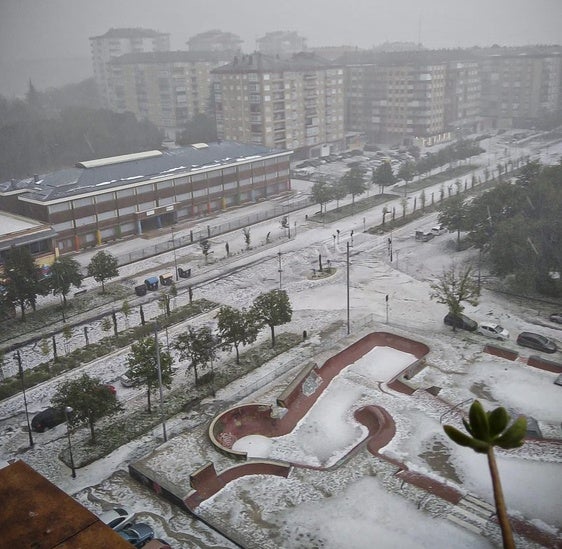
159,369
280,269
67,411
174,249
17,356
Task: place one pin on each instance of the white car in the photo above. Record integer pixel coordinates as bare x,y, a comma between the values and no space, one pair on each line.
495,331
117,518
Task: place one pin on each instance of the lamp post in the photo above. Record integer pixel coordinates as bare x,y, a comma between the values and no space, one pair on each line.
17,356
280,269
67,411
174,249
347,257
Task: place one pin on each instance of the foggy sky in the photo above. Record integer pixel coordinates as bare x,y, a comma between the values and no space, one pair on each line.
39,29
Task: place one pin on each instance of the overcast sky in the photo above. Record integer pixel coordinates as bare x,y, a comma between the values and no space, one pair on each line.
61,28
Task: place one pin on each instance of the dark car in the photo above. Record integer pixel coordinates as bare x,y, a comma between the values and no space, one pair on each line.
461,322
556,317
47,419
138,534
537,342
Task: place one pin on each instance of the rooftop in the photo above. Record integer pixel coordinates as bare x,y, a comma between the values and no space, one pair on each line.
94,175
135,32
259,62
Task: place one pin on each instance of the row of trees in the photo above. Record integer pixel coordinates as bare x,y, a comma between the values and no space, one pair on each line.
352,182
517,226
24,281
91,400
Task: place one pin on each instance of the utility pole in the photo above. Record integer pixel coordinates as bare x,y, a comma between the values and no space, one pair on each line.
17,356
175,258
280,269
348,327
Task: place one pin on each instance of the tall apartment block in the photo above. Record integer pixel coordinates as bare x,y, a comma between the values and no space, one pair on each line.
520,86
294,103
117,42
168,88
282,43
407,96
226,44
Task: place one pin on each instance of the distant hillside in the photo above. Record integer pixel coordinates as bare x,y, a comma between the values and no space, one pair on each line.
44,73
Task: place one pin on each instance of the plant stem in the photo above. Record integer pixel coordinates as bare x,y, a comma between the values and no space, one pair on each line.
507,535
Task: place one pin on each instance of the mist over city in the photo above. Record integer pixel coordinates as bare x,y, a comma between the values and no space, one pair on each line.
280,275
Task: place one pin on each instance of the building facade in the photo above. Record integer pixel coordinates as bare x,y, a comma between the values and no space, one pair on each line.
226,44
117,42
520,86
295,103
103,200
167,88
282,43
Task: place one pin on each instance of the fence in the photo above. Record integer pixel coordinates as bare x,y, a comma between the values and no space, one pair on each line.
211,231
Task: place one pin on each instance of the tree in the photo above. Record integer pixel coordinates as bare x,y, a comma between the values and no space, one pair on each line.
486,430
338,190
454,216
406,172
321,194
383,175
236,327
200,129
102,267
164,303
89,399
23,279
143,366
65,272
455,287
126,310
354,183
274,309
198,346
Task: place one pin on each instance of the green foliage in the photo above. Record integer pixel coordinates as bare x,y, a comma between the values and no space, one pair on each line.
322,193
205,246
106,324
199,346
383,175
338,190
273,309
102,267
354,183
247,237
143,366
236,327
22,279
454,287
407,171
65,272
200,129
126,309
454,216
89,399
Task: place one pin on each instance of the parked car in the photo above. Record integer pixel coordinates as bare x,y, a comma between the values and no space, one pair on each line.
537,342
460,321
556,317
495,331
117,518
438,229
138,534
47,419
126,381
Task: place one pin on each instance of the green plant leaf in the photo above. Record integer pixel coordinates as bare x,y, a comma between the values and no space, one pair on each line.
478,420
498,420
514,436
457,436
467,426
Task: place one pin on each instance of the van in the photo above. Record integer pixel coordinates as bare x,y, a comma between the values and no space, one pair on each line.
422,236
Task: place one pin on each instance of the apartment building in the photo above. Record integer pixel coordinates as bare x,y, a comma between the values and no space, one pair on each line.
399,97
103,200
226,44
294,103
167,88
117,42
282,43
520,86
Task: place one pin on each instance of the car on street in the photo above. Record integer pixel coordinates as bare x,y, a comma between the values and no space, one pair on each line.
460,321
537,342
439,229
556,317
495,331
138,534
126,381
47,419
117,518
